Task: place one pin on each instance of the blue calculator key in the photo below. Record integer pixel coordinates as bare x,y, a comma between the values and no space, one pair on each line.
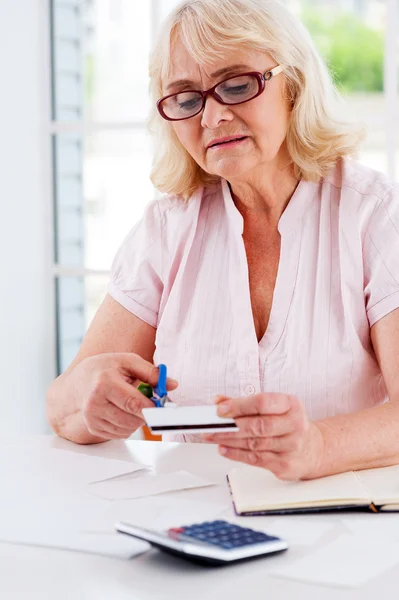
241,544
222,534
218,525
261,536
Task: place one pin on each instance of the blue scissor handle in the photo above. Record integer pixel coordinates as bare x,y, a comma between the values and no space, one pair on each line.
160,389
158,403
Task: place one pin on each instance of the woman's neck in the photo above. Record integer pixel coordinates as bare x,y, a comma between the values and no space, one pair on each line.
267,191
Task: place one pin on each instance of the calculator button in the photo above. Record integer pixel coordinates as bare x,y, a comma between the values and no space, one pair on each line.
176,530
227,545
220,533
241,543
261,537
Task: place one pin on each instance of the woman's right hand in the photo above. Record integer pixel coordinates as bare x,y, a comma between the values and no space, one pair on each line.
105,389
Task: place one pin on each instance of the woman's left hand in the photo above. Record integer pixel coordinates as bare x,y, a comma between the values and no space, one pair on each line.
274,433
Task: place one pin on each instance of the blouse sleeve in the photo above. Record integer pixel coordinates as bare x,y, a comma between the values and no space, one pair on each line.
136,274
381,258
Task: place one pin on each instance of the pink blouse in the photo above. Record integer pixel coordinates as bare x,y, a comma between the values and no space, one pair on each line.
183,270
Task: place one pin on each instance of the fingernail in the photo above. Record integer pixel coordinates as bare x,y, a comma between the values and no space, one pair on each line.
223,408
172,381
222,450
220,398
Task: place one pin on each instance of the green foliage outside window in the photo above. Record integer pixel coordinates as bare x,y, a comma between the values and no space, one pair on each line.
353,50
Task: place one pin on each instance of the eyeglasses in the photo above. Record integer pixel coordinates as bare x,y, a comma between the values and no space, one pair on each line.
234,90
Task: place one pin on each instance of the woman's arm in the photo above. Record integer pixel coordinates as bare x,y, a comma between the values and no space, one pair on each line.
368,438
276,434
113,333
362,440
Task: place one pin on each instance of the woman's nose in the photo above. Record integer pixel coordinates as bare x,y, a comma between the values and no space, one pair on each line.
214,113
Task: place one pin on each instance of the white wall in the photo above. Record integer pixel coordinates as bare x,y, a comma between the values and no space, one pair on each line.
26,288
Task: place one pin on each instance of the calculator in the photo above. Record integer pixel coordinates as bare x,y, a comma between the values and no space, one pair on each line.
211,542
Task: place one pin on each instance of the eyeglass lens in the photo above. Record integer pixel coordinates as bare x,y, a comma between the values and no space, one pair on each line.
232,91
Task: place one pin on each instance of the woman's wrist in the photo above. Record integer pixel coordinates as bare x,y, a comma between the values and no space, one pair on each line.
64,412
316,452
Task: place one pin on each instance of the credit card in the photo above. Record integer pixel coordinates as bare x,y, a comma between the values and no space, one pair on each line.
187,419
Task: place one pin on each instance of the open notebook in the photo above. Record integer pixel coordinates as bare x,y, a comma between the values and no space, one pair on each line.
258,491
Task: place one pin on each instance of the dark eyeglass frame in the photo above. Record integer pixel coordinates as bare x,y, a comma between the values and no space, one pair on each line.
260,77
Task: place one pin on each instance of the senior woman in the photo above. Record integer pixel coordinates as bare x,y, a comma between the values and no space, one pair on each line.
267,276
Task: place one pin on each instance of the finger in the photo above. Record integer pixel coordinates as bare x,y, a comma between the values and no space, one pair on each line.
260,426
267,460
282,443
127,398
105,429
120,418
260,404
107,435
139,368
267,426
281,465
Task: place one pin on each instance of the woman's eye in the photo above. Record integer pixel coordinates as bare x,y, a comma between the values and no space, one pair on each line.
188,104
236,89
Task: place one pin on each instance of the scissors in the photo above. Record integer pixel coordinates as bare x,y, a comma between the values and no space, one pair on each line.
159,394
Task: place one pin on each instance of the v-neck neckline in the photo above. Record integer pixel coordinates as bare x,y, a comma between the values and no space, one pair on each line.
287,268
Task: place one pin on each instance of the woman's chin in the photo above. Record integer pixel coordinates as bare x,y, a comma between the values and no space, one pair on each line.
230,168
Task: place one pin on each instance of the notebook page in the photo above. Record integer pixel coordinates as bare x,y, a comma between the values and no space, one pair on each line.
382,484
256,489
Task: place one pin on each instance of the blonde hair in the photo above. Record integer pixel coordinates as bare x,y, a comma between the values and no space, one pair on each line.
315,139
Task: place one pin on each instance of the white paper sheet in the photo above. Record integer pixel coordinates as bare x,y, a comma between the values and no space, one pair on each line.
301,531
44,498
44,464
137,487
158,512
106,544
346,562
380,526
186,512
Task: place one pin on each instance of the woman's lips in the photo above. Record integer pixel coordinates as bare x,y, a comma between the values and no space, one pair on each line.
229,144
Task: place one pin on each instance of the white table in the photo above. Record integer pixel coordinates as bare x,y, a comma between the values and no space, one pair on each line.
29,573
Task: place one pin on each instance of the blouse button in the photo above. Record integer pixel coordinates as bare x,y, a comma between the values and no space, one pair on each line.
249,389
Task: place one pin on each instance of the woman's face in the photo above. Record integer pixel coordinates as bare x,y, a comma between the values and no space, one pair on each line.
262,121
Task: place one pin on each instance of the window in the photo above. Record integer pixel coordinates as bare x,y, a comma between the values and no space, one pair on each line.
101,150
354,37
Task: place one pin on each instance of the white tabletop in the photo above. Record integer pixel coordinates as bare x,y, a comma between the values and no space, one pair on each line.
31,573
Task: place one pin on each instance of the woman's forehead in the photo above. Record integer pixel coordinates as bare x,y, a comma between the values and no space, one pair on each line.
183,65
